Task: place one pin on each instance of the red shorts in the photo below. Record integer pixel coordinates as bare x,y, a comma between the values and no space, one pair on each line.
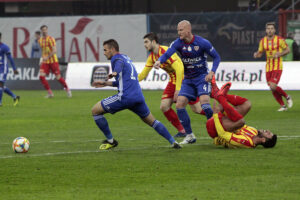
169,93
54,67
273,76
210,126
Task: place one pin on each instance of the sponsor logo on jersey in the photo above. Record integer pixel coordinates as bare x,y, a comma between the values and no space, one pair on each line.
191,60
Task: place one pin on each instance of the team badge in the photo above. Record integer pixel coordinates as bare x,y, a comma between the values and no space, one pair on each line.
189,48
196,48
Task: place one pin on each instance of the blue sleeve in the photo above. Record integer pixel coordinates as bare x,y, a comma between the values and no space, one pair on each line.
8,54
210,50
118,66
115,83
171,50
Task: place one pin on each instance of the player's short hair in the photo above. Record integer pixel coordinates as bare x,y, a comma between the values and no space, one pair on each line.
271,24
38,32
112,43
43,26
151,36
270,142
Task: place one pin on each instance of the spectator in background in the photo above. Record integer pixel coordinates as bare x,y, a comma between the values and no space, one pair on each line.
36,51
294,49
252,5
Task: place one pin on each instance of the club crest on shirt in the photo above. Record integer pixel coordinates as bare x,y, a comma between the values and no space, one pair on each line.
189,48
196,48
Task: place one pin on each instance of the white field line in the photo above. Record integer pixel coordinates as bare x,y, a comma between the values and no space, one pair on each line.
80,152
284,137
118,149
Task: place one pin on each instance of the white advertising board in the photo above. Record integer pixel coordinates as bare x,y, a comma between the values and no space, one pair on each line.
78,38
243,75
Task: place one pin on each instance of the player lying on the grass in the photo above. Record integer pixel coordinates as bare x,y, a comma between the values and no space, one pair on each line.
174,67
230,130
129,96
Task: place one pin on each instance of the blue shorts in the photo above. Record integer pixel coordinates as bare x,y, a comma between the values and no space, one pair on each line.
195,87
113,104
3,77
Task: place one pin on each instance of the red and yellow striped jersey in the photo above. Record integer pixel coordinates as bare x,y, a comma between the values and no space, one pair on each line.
241,138
277,44
47,44
173,66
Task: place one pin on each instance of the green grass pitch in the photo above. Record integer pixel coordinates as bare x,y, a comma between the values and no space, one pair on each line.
64,161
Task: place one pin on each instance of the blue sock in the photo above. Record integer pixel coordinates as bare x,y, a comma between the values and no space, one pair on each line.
103,125
185,120
207,109
163,131
9,92
1,92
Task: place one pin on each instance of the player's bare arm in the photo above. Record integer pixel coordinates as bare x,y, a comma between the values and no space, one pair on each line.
257,54
45,58
99,84
209,76
283,53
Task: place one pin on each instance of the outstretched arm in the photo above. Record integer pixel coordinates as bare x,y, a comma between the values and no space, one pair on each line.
211,51
99,84
12,63
162,59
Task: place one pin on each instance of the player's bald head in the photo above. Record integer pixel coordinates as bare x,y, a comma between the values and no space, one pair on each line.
185,24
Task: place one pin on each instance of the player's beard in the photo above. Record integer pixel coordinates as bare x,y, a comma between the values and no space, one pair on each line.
259,134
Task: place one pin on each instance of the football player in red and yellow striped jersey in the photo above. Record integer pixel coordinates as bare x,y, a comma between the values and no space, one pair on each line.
229,129
275,48
49,62
174,67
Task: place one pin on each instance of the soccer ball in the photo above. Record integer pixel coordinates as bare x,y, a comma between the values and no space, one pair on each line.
20,145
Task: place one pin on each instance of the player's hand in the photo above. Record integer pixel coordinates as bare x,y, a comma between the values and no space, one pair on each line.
209,76
277,55
16,72
114,74
99,84
157,64
175,96
257,54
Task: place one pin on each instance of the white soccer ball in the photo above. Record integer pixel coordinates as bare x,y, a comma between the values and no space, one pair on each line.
20,145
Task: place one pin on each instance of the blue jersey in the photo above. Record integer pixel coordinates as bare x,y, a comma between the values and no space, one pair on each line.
4,55
126,79
193,56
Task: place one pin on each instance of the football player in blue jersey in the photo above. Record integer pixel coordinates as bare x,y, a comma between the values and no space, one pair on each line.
4,55
129,96
197,77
